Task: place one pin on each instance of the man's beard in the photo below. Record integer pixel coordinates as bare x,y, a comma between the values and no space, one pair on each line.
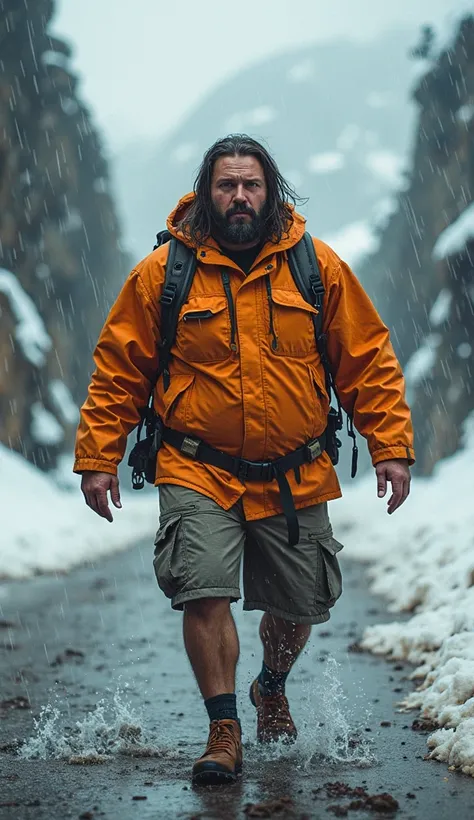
239,231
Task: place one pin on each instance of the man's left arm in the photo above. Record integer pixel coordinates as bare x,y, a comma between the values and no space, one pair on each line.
369,381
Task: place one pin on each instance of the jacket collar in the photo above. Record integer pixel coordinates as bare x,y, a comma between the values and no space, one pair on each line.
209,251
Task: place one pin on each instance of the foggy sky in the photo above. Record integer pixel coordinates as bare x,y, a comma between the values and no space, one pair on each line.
171,53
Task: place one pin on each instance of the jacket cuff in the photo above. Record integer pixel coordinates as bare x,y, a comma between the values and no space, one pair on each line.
397,451
101,466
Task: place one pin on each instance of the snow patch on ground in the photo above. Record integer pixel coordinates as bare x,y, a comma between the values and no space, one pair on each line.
422,560
46,529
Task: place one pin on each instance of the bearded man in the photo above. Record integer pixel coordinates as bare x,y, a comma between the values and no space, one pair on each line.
245,402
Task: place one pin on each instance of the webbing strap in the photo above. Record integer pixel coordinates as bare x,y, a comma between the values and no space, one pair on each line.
180,269
246,470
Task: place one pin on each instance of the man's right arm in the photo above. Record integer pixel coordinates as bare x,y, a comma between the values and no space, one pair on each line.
126,364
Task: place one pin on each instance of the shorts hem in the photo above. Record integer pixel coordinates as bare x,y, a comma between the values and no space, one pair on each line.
316,618
207,592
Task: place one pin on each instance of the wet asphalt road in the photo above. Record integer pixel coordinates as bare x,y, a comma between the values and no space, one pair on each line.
103,648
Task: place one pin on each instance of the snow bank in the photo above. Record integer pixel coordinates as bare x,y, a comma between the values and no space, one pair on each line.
421,560
45,529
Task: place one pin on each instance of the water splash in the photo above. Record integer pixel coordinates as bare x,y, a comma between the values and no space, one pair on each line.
329,731
110,729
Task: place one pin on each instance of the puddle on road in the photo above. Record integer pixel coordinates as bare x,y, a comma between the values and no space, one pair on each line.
328,731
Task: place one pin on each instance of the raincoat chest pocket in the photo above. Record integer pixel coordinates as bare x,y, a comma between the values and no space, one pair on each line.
329,580
203,331
170,562
293,322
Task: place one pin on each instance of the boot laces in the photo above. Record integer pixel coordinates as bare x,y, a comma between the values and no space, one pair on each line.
221,738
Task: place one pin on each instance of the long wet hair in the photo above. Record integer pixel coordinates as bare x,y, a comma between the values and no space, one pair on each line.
277,215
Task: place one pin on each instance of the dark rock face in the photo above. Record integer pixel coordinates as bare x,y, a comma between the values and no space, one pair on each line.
422,276
60,253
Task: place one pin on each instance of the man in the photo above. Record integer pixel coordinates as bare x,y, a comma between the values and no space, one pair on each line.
246,378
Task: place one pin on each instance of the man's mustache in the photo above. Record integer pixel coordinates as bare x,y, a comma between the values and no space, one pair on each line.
241,209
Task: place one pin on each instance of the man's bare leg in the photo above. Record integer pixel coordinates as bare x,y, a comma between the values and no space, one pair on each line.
212,644
282,641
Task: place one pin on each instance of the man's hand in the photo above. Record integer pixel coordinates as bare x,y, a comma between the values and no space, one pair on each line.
95,486
397,471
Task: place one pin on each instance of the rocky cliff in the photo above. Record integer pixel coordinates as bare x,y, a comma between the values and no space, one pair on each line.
60,253
422,276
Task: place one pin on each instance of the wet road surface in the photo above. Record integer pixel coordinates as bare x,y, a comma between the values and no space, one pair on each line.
100,652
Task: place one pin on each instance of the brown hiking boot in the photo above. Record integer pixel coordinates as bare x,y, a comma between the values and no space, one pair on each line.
274,721
222,760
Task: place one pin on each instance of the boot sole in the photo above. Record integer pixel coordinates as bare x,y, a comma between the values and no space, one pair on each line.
211,776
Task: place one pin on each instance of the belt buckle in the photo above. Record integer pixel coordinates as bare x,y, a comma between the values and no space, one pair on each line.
243,470
266,471
190,446
313,449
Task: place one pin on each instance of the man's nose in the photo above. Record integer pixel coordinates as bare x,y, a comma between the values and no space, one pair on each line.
240,195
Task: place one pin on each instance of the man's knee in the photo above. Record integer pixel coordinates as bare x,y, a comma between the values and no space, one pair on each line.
207,608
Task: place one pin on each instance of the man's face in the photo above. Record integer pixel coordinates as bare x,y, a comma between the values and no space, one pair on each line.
239,194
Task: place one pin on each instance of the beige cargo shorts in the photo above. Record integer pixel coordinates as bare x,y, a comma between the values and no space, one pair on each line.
199,549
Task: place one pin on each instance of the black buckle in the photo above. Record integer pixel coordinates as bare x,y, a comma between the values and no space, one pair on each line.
313,449
260,470
168,293
243,470
266,471
317,289
190,446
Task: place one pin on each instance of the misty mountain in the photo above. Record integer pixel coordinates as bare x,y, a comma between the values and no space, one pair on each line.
337,118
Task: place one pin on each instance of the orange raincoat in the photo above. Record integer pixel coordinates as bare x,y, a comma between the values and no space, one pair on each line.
256,402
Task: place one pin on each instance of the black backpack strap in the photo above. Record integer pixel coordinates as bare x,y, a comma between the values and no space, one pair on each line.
304,268
180,269
161,238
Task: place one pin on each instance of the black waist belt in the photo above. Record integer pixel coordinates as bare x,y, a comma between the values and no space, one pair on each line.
254,470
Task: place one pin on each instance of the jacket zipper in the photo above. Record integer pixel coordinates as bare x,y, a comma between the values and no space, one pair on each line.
230,302
197,314
270,306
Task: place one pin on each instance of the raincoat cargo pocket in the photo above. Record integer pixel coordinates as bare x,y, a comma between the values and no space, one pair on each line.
170,562
329,584
293,324
203,331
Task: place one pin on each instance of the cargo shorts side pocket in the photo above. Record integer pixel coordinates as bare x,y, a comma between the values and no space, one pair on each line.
329,582
170,561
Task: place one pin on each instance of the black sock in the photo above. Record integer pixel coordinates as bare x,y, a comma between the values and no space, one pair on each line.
222,707
271,682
